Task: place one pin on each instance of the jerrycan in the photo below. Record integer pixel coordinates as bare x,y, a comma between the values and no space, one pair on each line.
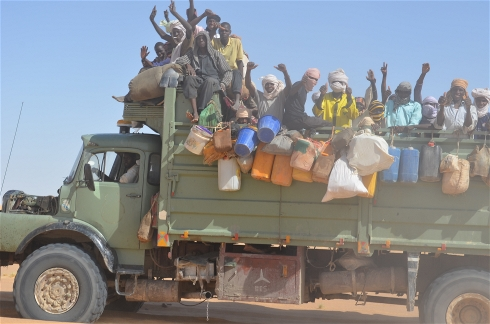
430,159
262,166
391,174
409,165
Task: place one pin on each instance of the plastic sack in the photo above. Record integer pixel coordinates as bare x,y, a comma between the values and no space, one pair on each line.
211,115
294,135
479,161
449,164
245,163
350,261
146,85
280,145
369,154
344,181
304,154
324,164
457,182
342,139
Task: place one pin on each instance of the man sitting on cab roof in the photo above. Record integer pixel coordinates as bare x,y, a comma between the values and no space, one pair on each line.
207,73
161,58
232,50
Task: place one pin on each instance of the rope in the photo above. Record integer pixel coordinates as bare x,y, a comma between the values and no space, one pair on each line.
13,141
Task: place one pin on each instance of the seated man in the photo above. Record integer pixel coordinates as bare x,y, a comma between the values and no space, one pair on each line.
401,113
295,117
339,106
161,58
271,101
207,73
482,103
456,112
232,50
131,163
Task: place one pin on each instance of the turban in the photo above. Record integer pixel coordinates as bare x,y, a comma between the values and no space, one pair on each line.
314,73
338,76
404,86
242,113
376,110
278,86
459,83
429,111
215,17
315,96
177,25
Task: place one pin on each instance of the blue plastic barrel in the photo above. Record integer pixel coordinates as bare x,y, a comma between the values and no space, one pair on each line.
409,165
246,142
391,174
268,127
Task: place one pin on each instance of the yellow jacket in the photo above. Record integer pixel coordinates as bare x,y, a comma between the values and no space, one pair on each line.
345,115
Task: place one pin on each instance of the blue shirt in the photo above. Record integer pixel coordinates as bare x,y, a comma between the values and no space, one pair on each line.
166,61
405,115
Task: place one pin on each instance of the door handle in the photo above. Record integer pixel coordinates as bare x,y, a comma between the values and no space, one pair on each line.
132,195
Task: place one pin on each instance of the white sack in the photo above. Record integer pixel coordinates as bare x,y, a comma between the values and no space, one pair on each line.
344,181
369,154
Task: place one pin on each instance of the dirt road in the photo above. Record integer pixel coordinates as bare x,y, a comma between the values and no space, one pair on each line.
334,311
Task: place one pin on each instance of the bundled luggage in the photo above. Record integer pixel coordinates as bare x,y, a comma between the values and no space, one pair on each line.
369,154
457,182
344,181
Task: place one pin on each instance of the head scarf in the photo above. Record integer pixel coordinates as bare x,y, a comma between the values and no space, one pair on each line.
278,86
376,110
168,25
403,86
315,96
482,93
459,83
176,52
314,73
242,113
338,80
429,111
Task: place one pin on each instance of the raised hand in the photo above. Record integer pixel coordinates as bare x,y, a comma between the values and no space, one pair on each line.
348,91
388,92
281,67
165,13
384,68
171,7
370,76
442,100
144,52
208,12
153,13
251,66
323,90
425,68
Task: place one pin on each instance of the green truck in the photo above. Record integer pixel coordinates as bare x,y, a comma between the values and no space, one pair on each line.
79,251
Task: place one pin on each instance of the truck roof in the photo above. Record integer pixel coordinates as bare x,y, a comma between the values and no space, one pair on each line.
145,142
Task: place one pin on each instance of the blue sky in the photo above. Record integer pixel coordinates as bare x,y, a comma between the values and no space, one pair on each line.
66,59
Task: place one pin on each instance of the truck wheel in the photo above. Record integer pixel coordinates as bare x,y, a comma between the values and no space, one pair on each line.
60,282
122,305
459,296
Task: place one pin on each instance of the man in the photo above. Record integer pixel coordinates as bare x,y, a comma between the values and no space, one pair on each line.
430,106
161,58
360,105
232,50
295,117
401,113
482,100
337,107
271,100
207,73
456,112
132,164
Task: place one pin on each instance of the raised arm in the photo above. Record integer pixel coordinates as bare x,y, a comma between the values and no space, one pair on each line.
190,11
248,78
187,26
417,93
295,88
287,79
370,77
439,122
384,71
160,31
197,20
319,101
144,53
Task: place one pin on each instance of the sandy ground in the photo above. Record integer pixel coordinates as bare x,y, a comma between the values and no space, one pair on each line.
323,311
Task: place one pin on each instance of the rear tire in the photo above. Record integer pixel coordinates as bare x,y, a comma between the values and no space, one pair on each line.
60,282
458,296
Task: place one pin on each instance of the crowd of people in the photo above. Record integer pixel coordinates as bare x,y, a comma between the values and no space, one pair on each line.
213,60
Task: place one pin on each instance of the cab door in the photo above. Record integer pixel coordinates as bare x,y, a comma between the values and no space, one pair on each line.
114,208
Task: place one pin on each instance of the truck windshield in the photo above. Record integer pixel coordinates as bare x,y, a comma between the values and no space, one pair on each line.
70,177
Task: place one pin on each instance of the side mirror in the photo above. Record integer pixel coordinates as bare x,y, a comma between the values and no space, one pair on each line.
88,177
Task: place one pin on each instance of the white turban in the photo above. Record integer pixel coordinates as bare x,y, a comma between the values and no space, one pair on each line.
178,25
481,93
278,86
338,75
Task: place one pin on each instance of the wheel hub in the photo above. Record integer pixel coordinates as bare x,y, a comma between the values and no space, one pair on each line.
56,291
469,308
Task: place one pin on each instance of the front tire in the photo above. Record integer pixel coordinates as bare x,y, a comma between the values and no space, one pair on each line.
60,282
461,296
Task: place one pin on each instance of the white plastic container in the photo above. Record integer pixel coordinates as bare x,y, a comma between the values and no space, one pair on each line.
229,176
197,139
